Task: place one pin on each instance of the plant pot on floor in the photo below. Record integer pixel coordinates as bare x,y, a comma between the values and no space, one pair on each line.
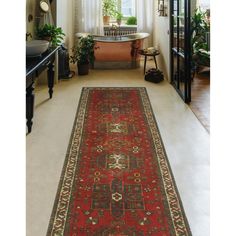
83,69
83,54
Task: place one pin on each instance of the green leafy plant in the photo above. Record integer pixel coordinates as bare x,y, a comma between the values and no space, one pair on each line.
51,33
83,52
119,15
199,28
109,7
199,46
132,20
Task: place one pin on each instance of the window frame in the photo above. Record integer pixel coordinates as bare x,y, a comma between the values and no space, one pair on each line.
119,8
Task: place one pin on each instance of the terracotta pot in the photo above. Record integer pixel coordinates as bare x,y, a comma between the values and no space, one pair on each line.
83,69
106,20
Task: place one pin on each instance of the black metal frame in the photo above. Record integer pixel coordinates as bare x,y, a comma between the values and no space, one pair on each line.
186,55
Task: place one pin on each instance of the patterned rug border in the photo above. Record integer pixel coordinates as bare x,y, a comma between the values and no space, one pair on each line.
64,168
170,170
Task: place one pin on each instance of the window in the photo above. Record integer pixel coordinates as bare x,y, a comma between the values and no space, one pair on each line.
204,4
127,7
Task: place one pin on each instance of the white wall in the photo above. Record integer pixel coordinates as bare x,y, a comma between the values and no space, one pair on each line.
30,9
162,41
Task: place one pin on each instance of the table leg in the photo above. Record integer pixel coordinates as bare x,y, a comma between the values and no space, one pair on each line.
50,79
145,61
29,106
154,57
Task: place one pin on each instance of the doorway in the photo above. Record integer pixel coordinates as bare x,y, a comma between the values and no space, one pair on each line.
180,45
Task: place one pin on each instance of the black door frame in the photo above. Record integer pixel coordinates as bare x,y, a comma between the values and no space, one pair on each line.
185,54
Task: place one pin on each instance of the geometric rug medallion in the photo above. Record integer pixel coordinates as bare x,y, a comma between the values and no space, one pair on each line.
116,179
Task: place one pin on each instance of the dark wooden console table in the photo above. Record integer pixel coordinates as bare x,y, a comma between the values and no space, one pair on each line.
34,66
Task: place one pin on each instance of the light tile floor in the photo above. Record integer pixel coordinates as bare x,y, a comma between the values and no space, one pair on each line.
185,139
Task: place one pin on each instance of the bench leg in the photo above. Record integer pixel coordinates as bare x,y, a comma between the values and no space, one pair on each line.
145,61
155,61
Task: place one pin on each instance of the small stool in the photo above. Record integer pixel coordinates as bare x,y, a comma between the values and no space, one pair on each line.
146,53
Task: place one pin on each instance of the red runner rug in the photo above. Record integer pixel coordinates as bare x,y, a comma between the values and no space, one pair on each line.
116,180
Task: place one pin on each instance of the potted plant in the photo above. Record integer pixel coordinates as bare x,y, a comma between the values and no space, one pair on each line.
132,20
119,17
51,33
83,54
109,10
200,26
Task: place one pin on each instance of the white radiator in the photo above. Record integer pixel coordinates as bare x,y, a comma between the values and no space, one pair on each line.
122,30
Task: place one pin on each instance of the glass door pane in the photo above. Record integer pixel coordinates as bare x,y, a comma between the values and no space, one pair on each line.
181,17
180,47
